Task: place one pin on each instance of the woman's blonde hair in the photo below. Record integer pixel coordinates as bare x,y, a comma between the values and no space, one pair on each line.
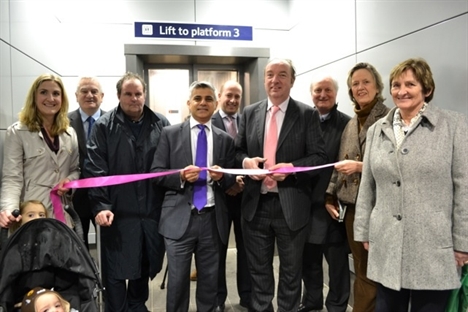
31,117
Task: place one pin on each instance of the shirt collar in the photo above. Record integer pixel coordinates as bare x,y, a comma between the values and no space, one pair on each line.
84,116
194,123
283,106
223,114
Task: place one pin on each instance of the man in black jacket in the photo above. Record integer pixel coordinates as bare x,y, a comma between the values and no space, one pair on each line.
327,236
124,141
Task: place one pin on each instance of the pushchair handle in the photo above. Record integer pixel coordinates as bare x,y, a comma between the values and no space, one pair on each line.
4,234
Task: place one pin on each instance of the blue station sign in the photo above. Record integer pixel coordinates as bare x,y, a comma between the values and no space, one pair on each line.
192,31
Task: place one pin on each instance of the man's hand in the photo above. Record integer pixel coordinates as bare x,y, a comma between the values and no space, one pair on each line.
252,163
104,218
215,176
237,188
280,176
190,173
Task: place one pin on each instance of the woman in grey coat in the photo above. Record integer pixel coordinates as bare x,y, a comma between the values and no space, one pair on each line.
412,208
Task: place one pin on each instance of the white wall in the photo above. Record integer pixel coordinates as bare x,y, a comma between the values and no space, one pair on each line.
84,37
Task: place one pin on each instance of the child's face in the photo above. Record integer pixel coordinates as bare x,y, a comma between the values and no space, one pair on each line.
48,303
31,212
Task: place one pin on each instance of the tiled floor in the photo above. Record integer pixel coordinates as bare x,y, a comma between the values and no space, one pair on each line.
157,300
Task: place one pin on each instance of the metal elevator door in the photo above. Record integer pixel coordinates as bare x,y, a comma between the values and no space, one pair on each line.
168,86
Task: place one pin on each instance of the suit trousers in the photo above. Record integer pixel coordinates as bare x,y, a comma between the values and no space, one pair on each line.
242,269
389,300
365,290
336,255
201,238
121,296
267,227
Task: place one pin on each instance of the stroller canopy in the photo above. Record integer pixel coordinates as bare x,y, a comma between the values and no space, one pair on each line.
47,253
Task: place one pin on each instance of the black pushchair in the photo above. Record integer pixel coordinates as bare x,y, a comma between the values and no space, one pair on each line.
47,253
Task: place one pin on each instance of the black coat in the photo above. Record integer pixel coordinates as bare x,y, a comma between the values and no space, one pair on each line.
323,228
114,150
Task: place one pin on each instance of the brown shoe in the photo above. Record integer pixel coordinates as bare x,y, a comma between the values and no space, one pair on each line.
193,275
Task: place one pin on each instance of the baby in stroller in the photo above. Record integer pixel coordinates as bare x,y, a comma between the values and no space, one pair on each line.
44,300
47,253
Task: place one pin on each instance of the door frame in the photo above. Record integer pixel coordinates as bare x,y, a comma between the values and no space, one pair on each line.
252,61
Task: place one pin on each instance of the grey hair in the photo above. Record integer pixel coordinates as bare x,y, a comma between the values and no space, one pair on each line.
317,80
202,85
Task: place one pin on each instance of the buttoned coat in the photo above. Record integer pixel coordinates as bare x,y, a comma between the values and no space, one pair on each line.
412,206
300,142
174,152
31,169
352,146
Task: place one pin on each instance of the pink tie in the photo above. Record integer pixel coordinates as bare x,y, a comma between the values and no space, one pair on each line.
269,148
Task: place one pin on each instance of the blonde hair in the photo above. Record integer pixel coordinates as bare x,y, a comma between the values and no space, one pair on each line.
30,116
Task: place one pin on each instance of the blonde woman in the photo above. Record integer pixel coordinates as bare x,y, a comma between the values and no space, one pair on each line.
40,150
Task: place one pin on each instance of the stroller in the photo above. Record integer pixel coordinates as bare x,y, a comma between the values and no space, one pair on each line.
47,253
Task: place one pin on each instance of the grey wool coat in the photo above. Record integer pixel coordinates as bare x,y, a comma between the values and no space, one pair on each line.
412,205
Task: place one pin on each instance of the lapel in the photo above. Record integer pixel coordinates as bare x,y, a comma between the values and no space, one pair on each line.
217,121
77,124
260,116
290,118
186,135
216,145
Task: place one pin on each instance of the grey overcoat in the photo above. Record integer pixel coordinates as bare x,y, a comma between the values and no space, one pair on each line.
412,205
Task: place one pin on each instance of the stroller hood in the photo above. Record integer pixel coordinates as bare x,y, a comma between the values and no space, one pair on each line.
47,253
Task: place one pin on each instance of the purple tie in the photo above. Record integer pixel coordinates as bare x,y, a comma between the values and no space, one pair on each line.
199,188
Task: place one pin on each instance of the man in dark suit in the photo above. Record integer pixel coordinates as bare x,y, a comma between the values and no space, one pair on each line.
276,207
327,235
89,96
227,119
188,226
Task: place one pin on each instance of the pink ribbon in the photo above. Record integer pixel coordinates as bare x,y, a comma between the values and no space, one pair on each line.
127,178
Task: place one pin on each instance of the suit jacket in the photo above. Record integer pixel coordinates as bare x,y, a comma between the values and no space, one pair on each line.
174,152
412,206
323,228
77,124
81,200
300,142
218,121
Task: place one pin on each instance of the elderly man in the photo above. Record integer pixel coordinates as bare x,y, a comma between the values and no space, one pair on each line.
327,236
277,132
89,96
